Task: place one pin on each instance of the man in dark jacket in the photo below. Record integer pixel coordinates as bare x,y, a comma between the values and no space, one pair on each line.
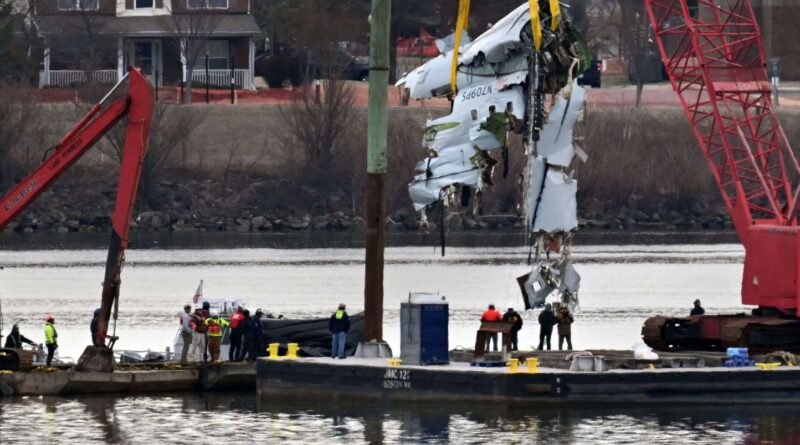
15,339
697,309
256,336
246,334
339,325
565,320
93,327
547,319
512,316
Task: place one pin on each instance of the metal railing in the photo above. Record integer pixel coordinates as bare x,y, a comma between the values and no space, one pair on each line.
222,78
66,78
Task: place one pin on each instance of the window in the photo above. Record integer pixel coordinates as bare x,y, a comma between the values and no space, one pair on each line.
78,5
217,51
208,4
143,4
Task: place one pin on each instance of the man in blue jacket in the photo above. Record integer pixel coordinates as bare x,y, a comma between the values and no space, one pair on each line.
339,325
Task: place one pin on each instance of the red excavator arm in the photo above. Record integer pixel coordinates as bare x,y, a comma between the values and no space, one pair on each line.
138,106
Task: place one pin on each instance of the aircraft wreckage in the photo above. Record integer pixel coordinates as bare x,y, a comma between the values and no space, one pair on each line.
513,78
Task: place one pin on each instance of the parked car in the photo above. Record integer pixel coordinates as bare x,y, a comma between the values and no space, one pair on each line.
593,76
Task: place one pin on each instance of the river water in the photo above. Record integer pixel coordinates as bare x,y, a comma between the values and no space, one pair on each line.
622,285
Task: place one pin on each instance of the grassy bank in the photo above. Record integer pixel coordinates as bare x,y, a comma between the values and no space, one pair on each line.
239,168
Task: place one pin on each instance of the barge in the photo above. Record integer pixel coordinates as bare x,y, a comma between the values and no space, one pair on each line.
130,380
378,380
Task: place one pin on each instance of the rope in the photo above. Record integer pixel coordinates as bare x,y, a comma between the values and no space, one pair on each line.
462,23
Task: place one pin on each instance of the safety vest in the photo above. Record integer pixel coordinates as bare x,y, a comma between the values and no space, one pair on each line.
339,314
215,326
50,334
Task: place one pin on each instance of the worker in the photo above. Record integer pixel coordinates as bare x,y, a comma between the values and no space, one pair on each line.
565,320
491,314
236,334
216,327
547,319
512,316
199,335
15,339
186,332
697,309
93,328
256,336
246,334
50,338
339,325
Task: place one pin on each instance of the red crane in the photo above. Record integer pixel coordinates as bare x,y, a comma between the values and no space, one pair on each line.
137,105
714,55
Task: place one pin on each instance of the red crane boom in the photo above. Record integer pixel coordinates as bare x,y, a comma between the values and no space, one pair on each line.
138,106
714,55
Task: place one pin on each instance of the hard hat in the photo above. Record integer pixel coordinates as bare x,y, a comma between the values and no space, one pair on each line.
97,312
214,313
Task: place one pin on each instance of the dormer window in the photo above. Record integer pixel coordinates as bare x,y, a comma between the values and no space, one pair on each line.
138,4
78,5
207,4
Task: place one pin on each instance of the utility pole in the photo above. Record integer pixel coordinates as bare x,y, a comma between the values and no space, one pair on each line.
380,20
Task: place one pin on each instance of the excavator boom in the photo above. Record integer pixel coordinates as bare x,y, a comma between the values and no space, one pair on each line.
137,105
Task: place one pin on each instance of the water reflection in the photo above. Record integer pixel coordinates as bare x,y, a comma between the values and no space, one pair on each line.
238,417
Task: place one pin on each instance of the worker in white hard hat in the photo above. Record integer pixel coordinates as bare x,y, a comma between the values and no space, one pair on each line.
216,327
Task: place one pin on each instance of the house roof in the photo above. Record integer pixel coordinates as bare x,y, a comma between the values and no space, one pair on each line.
160,26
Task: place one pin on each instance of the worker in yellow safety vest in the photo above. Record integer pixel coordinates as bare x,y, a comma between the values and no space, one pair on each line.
216,327
50,338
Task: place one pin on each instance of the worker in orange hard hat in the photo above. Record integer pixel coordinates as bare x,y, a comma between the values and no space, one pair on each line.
50,337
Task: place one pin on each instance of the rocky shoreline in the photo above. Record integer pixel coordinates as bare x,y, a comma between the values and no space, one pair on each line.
207,206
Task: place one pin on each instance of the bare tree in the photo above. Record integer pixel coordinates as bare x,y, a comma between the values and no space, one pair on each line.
316,127
21,132
190,33
170,133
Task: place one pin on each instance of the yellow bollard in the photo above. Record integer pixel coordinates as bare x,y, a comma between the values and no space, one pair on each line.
272,350
512,365
291,351
533,365
395,361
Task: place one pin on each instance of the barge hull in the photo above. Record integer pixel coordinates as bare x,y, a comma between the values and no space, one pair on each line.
377,381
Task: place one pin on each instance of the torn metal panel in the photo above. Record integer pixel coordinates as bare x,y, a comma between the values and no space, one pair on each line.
456,165
536,288
533,189
558,208
570,279
557,136
494,45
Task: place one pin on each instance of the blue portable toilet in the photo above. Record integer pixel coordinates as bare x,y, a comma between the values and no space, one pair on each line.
424,330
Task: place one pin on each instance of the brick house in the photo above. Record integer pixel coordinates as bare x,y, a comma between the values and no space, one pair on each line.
172,41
